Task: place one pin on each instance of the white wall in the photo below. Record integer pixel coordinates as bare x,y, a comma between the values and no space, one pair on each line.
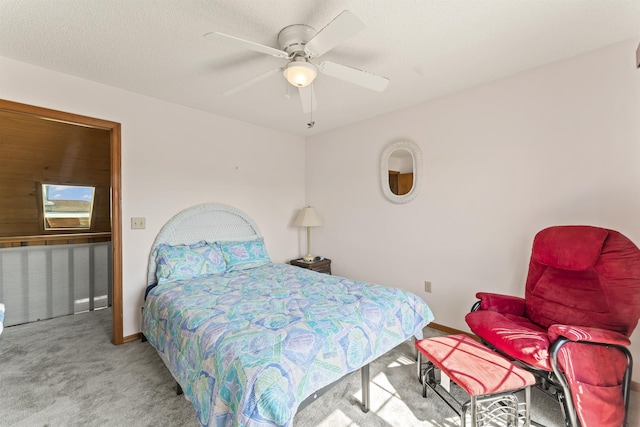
174,157
558,144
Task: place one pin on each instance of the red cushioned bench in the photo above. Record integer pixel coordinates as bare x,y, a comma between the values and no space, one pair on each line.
489,379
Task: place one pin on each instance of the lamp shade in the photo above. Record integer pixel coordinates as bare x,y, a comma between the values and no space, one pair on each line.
308,217
300,73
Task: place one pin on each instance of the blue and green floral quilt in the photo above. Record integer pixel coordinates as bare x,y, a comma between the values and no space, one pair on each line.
248,346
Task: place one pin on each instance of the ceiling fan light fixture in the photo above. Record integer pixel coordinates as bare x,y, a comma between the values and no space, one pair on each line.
300,73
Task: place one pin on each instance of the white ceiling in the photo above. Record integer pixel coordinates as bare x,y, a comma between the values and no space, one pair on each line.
427,48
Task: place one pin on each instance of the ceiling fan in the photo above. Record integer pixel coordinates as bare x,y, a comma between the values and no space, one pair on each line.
299,44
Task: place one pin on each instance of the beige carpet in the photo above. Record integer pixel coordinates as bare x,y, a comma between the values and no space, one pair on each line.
65,372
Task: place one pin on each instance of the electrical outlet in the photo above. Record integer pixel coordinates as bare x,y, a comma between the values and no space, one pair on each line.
138,223
427,286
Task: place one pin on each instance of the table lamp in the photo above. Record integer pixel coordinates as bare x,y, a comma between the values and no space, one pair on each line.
308,217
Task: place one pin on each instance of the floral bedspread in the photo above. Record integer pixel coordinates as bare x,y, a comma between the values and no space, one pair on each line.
248,346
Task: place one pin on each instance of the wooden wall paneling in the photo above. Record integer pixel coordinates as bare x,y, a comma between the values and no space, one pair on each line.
37,151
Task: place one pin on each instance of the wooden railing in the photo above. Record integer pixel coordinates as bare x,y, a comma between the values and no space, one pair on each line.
54,239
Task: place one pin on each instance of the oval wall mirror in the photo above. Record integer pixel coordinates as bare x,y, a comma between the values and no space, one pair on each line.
401,171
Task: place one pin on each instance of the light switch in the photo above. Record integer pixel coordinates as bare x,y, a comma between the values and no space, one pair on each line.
138,223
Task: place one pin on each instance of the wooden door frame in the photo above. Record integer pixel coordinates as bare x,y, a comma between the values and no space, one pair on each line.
116,202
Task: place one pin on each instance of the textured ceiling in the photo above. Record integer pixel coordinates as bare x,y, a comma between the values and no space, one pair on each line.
427,48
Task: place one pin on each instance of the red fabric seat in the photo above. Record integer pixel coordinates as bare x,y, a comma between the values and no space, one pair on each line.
514,336
581,304
478,370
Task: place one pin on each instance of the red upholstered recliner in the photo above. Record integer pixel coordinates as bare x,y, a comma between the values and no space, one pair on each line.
572,328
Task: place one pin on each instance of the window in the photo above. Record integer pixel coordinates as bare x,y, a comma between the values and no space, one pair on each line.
67,206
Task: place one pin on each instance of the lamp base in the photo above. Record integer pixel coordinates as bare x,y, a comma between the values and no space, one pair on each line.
308,258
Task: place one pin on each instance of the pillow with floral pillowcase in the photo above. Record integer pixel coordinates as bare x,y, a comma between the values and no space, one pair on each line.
245,255
183,262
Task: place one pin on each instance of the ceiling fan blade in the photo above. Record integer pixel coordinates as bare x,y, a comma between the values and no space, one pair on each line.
235,41
335,32
308,98
252,81
355,76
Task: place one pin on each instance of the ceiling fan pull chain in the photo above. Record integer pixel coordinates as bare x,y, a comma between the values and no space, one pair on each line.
311,122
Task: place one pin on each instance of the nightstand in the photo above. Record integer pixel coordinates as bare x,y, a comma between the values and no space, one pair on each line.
322,266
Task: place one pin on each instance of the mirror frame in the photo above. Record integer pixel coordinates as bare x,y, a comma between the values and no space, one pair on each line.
416,154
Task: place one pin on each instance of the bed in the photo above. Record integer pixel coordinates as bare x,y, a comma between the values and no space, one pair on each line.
249,341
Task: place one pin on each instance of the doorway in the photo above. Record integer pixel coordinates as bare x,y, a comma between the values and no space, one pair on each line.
114,202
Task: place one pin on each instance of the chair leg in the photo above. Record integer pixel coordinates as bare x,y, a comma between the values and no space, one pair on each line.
474,413
428,378
571,417
527,408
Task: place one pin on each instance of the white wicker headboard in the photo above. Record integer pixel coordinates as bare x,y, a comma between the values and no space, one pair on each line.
210,222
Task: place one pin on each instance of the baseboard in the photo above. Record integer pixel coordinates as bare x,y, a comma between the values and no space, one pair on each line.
451,331
133,337
635,385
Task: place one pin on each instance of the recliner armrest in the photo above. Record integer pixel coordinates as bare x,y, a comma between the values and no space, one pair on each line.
559,335
587,334
504,304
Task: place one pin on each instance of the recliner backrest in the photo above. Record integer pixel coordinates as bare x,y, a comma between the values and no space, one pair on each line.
584,276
